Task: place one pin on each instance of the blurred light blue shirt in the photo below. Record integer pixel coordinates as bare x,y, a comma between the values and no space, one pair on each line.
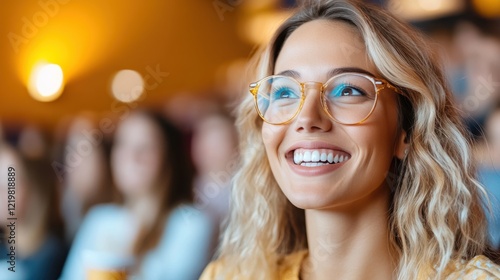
490,178
181,254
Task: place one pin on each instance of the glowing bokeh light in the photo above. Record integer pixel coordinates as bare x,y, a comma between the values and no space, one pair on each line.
422,10
127,86
46,82
430,5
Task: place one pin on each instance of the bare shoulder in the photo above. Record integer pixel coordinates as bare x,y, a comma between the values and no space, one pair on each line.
480,268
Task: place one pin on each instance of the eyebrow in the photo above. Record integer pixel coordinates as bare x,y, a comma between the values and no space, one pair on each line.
331,73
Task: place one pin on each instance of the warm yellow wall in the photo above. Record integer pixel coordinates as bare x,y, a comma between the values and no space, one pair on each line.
92,39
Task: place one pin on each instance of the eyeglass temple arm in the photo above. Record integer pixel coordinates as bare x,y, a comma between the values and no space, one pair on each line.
385,84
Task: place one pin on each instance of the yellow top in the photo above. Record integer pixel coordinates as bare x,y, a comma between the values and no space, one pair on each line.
478,268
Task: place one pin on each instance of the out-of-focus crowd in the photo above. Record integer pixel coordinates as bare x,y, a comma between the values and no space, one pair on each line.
471,55
151,189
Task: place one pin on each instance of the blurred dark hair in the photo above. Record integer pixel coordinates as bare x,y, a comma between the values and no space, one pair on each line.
42,185
497,107
106,191
177,184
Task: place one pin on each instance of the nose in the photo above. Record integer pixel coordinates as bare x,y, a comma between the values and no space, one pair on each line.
312,117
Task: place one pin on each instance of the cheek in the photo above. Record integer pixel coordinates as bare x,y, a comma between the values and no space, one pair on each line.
152,165
376,142
272,136
376,153
135,169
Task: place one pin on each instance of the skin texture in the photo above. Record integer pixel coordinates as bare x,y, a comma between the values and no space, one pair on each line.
346,208
137,156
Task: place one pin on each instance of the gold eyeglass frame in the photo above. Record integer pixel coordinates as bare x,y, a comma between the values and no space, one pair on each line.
379,85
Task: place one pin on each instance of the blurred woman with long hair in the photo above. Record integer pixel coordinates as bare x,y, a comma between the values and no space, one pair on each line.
154,223
31,225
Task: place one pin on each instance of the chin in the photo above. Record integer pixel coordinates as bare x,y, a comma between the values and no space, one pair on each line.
129,189
309,200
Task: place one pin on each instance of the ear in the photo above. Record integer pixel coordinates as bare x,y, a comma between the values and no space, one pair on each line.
401,146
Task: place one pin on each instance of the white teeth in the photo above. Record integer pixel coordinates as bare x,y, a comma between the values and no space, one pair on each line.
323,157
312,164
307,156
296,158
315,156
318,157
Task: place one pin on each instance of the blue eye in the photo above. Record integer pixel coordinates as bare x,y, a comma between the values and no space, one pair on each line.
283,93
346,90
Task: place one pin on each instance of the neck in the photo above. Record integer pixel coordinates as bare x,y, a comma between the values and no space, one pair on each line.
350,243
143,209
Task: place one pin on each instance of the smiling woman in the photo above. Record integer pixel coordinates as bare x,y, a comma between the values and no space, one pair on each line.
355,161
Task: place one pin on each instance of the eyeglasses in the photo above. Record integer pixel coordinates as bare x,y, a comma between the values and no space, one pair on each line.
347,98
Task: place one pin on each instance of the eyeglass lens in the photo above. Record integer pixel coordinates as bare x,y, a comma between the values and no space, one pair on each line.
348,98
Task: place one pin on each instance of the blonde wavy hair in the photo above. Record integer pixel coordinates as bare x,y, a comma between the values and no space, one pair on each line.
436,210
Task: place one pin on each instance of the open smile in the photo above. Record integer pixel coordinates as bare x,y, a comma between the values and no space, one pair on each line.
316,158
319,157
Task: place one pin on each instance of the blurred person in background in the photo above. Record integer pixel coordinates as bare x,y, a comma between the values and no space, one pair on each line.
489,173
215,155
39,244
471,56
32,143
478,90
85,174
154,222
